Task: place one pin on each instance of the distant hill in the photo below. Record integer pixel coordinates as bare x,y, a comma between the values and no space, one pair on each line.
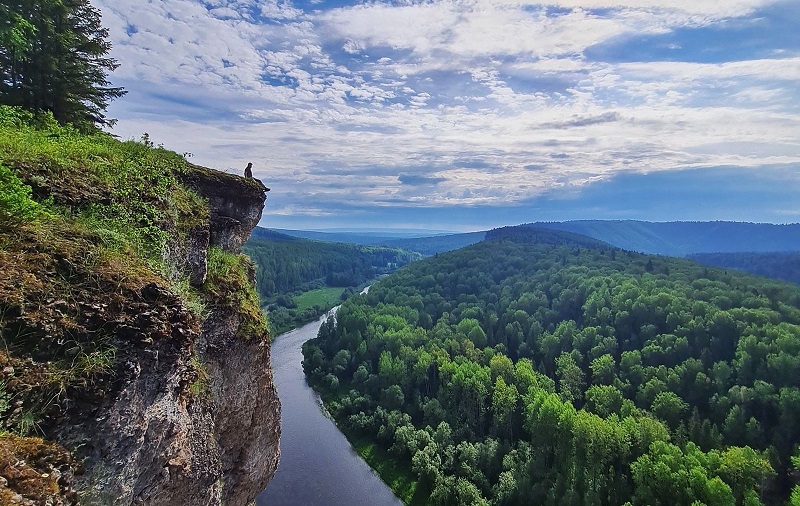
366,237
429,246
682,238
426,245
288,264
533,235
678,238
272,235
776,265
289,267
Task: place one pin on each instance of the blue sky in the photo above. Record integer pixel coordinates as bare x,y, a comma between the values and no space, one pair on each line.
470,114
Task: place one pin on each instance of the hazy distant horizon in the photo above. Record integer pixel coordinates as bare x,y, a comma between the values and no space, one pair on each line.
427,232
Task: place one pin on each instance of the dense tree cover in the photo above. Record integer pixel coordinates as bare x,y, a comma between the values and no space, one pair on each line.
287,265
436,244
680,238
53,57
512,372
783,265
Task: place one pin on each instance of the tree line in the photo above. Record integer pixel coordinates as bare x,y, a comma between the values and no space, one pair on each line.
783,265
53,58
515,372
287,266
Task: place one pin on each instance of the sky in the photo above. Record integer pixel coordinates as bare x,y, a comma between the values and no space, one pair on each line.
470,114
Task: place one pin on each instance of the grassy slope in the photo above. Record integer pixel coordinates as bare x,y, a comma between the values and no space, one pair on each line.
322,297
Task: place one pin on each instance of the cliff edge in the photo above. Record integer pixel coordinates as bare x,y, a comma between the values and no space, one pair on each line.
135,366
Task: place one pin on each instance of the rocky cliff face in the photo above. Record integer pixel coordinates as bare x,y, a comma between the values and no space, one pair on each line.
189,415
197,418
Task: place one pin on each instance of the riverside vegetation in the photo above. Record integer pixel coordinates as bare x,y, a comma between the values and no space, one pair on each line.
544,368
299,279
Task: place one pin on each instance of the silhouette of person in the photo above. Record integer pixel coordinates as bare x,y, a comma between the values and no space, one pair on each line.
248,171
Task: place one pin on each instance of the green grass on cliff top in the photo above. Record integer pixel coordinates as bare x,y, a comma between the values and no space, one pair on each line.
126,191
86,221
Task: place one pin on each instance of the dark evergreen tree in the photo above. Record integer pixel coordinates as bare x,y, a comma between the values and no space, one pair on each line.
53,57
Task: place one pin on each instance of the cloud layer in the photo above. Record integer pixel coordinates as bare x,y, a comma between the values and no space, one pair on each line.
387,111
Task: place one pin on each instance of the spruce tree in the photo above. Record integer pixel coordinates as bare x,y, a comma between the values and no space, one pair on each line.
53,57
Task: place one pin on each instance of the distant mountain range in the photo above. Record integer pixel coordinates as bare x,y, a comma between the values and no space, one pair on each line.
781,265
681,238
759,248
677,238
366,237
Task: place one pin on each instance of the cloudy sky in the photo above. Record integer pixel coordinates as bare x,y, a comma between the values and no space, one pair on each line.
468,114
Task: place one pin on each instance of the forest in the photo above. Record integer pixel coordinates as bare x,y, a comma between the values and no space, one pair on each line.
287,266
682,238
535,368
784,265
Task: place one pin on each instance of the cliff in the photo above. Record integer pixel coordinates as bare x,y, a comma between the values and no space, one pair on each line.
136,363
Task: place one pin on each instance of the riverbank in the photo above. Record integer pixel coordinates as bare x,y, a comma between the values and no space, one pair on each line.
395,474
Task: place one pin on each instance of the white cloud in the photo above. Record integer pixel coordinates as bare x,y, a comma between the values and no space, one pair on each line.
375,86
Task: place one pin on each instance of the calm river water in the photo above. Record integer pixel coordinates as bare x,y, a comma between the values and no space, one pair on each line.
318,466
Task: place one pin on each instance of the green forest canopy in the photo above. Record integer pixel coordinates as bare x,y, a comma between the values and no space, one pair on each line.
515,372
783,265
287,266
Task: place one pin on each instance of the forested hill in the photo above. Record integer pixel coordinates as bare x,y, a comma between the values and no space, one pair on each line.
272,235
287,264
681,238
777,265
436,244
512,372
425,245
543,236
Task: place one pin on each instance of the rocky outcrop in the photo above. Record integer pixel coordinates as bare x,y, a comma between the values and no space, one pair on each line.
248,433
236,204
192,416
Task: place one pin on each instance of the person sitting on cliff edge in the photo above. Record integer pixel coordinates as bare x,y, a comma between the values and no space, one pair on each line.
248,173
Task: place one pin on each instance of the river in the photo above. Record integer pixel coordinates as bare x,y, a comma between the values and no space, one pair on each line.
318,466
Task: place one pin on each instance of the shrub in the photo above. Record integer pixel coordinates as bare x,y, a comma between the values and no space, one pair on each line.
16,204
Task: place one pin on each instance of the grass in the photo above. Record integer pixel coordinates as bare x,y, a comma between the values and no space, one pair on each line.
86,222
322,297
310,305
228,284
397,475
199,387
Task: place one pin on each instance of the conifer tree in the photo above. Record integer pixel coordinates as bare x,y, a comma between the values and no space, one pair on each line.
53,57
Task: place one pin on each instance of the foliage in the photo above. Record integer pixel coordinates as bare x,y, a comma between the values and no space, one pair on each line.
679,238
200,387
53,57
33,471
781,265
92,222
16,204
294,264
228,284
517,372
299,280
